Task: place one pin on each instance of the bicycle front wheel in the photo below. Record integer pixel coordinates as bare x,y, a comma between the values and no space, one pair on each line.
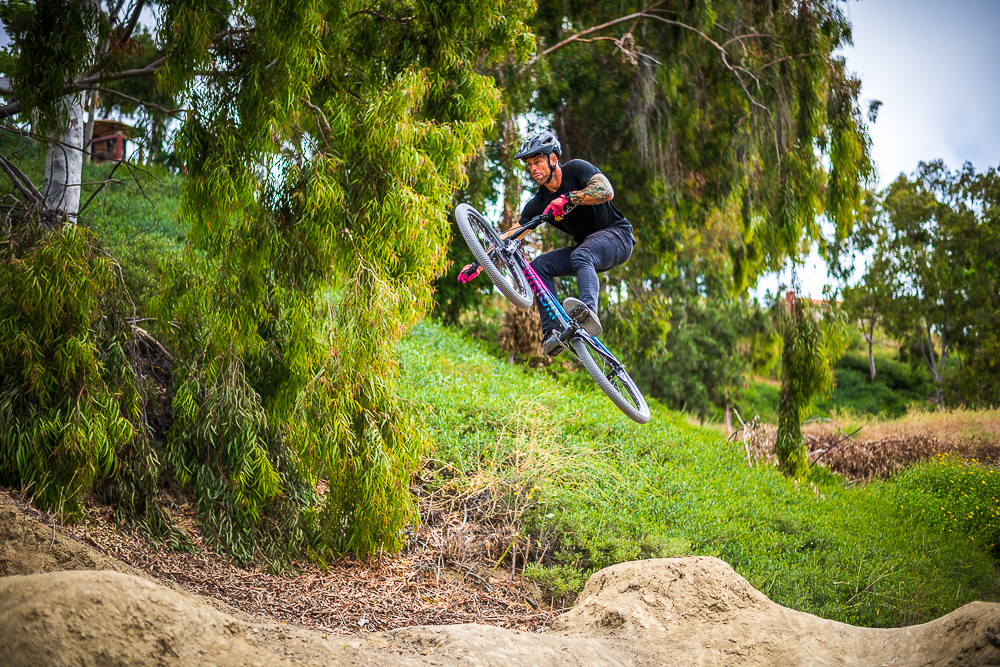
611,378
480,235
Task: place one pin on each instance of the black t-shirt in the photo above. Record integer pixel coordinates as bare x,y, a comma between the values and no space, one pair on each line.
583,220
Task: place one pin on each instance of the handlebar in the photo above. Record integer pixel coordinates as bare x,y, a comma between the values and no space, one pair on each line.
537,221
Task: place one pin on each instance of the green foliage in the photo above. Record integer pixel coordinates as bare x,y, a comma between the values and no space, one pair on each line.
956,496
558,580
298,283
707,160
138,222
932,247
812,341
897,386
322,147
52,42
690,353
69,401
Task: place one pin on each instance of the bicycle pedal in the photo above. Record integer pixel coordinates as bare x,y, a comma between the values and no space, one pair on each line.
552,346
582,315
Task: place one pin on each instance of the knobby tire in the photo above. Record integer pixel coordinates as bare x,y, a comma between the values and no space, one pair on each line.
507,276
619,388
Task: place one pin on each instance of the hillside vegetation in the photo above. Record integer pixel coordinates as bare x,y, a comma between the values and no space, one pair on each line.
589,488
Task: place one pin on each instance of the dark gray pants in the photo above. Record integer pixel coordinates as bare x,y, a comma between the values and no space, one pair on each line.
599,252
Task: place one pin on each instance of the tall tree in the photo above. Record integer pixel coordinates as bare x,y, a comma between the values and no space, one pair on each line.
813,339
322,145
930,251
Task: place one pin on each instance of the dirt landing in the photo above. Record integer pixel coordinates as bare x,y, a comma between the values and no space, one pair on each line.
698,611
684,611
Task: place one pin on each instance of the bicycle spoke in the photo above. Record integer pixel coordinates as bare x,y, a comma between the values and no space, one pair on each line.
493,256
488,237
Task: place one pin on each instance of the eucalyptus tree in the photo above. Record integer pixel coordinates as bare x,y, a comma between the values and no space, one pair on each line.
930,255
813,338
321,140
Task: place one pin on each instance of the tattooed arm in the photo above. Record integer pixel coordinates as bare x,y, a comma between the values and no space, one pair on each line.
598,191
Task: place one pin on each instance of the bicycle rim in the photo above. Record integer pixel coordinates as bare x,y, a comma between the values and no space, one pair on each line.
618,386
499,265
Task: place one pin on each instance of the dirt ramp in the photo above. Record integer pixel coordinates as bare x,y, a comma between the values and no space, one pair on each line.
106,618
681,612
698,611
28,546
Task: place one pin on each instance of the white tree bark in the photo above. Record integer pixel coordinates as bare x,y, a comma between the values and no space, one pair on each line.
64,165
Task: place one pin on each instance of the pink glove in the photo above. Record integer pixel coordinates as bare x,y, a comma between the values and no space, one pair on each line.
467,273
557,207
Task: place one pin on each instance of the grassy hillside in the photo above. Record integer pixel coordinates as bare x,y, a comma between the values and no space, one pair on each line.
591,488
897,387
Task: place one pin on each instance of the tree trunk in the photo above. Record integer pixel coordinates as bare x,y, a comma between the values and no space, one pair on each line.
870,338
88,130
931,360
64,165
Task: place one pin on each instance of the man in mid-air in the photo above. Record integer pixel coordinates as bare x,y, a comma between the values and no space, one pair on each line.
579,196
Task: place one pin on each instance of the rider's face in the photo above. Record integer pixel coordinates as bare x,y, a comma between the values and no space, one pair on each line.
538,166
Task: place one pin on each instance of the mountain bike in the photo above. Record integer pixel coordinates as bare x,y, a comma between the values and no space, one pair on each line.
500,255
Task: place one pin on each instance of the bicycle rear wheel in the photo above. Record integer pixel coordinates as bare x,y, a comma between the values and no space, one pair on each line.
499,266
611,378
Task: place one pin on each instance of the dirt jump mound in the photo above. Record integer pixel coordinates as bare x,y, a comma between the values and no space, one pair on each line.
680,611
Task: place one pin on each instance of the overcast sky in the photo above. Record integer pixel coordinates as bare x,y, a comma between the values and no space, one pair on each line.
935,66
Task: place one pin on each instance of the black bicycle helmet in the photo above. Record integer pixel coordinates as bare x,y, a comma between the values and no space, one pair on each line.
542,143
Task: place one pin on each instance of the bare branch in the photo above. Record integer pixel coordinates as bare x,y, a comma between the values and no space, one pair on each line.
151,105
127,33
756,34
98,190
582,33
148,70
20,182
797,55
12,109
647,13
113,13
320,116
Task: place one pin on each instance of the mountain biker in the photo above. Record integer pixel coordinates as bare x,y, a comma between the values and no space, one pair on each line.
602,236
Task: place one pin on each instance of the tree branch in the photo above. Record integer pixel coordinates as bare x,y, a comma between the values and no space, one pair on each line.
148,70
779,60
98,190
127,33
152,105
582,33
372,12
646,13
21,182
756,34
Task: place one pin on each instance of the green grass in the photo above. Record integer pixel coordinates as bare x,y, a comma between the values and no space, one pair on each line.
896,388
601,490
138,222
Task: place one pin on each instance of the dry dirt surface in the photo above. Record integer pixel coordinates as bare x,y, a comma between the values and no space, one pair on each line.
63,604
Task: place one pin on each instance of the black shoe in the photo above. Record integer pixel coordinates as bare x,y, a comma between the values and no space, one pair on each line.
584,316
551,345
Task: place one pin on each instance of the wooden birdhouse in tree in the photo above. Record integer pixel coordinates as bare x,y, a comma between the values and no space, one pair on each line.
109,140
